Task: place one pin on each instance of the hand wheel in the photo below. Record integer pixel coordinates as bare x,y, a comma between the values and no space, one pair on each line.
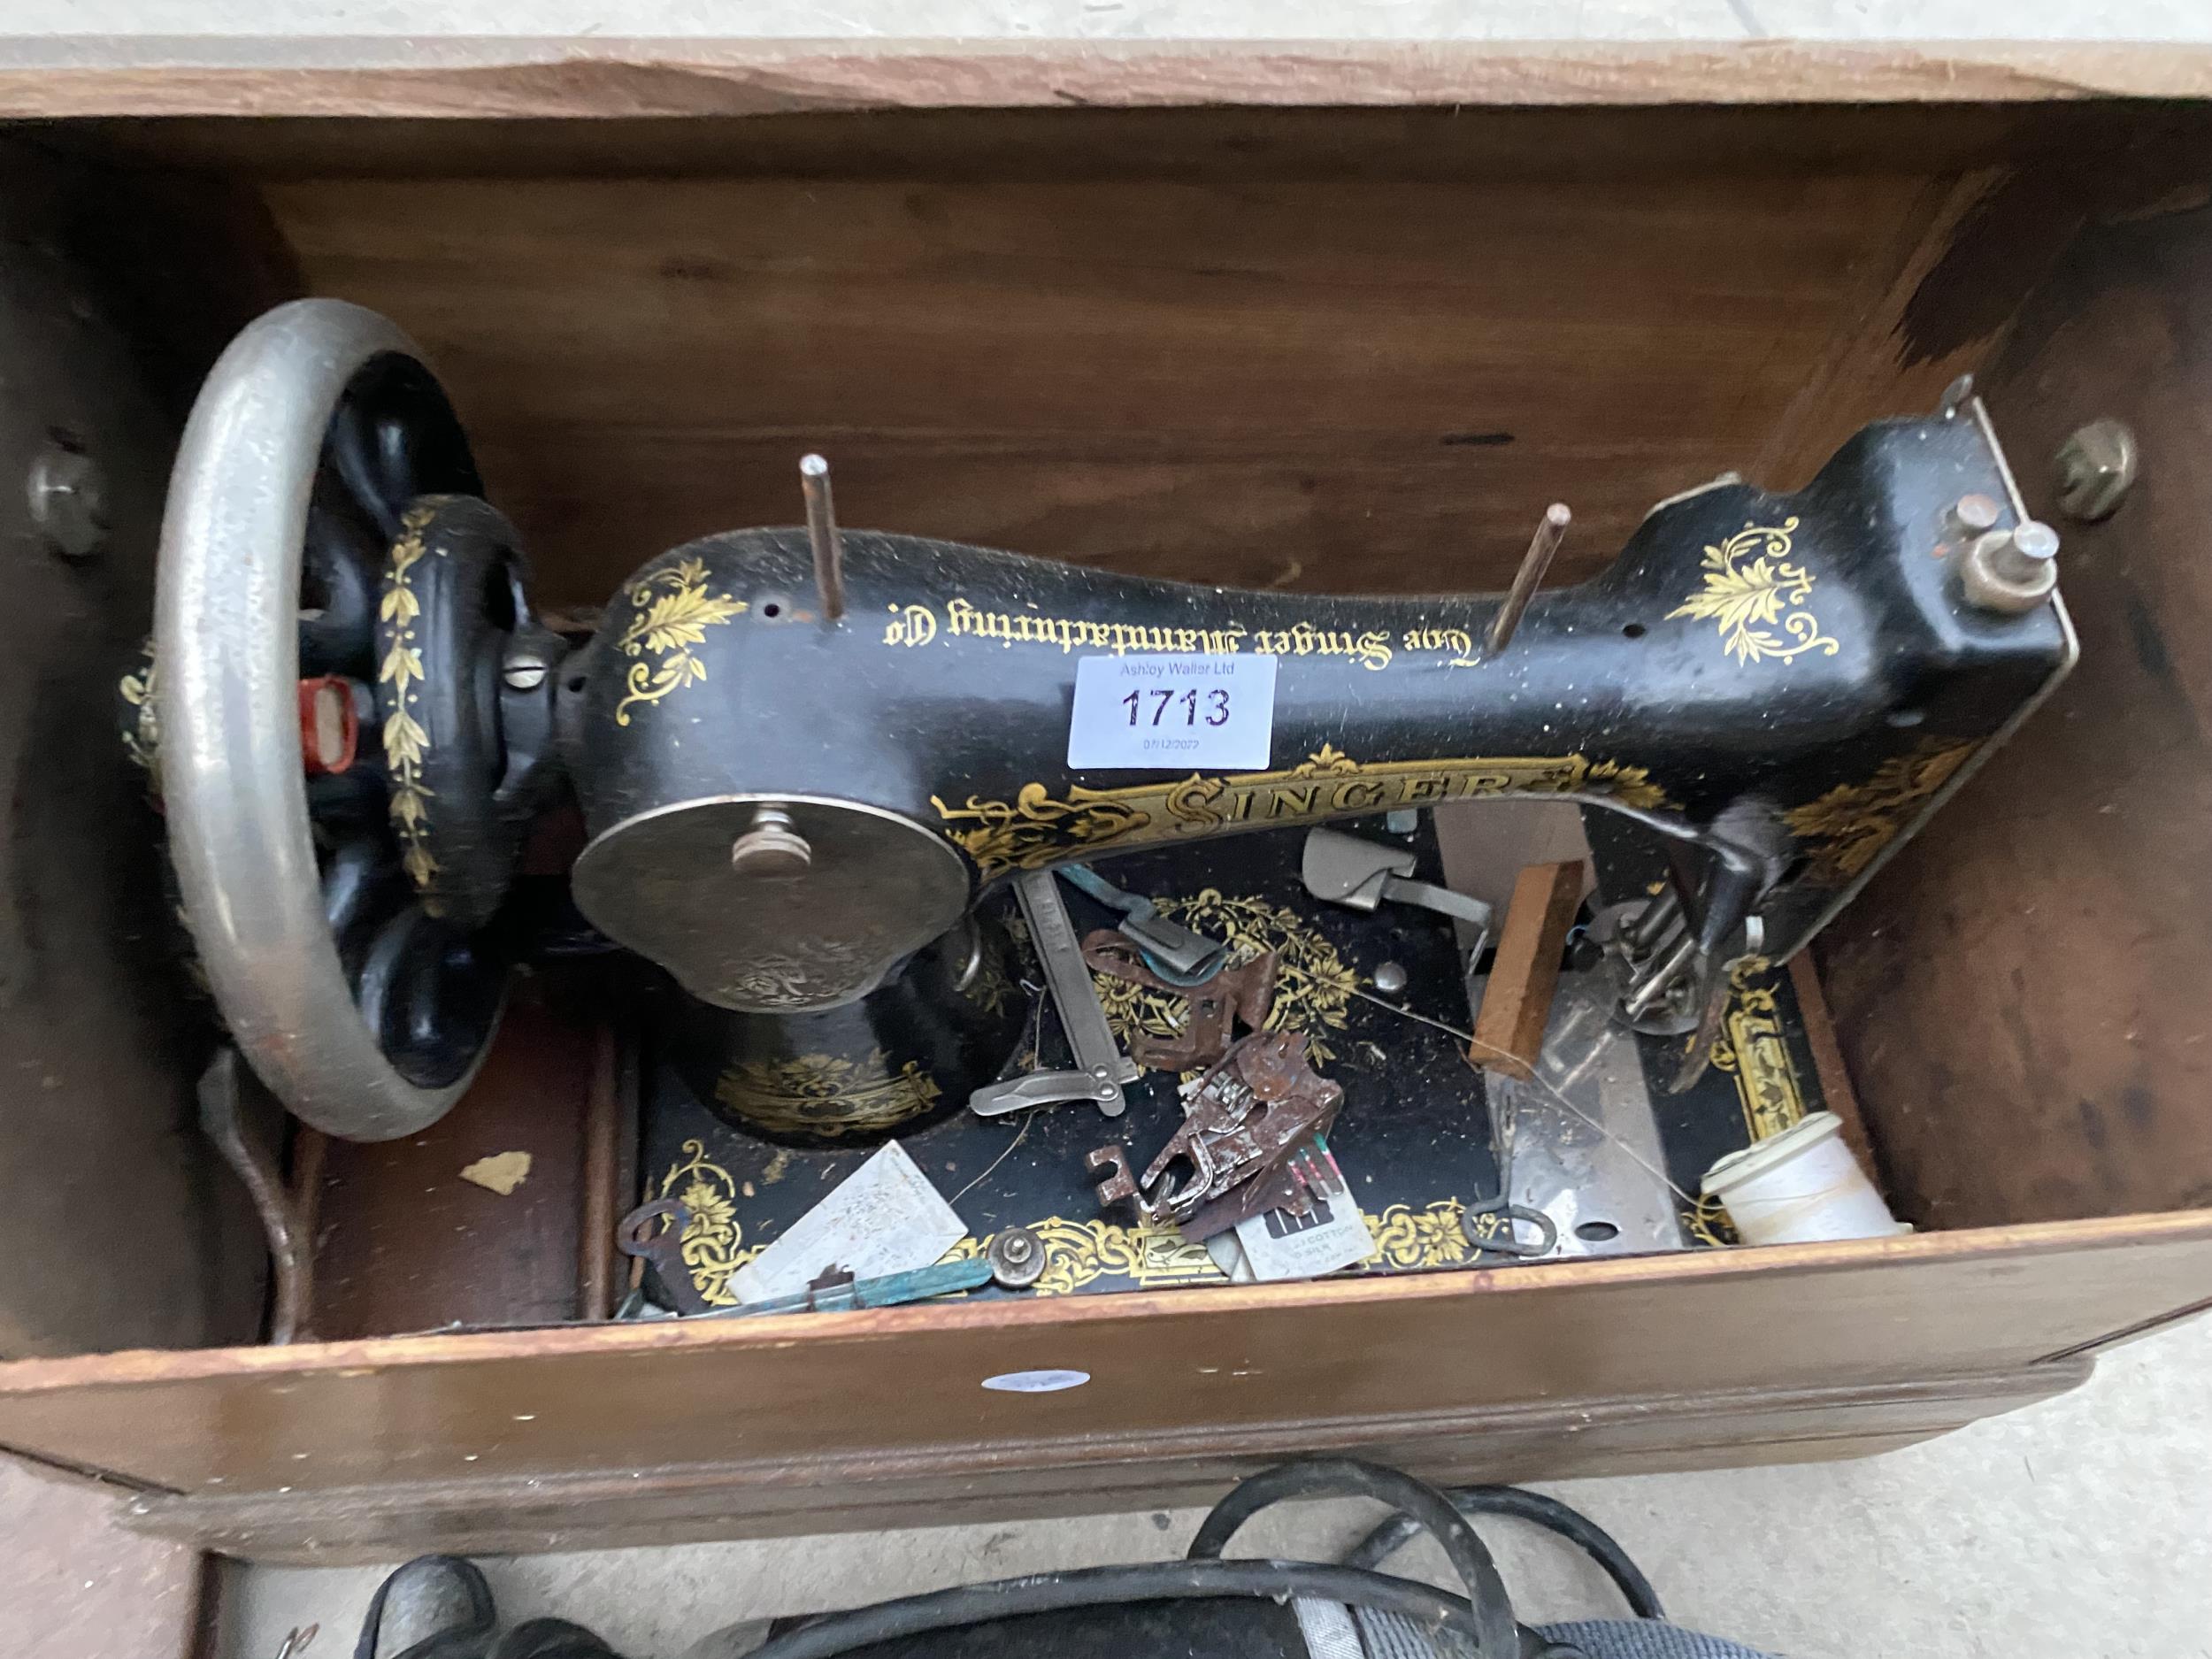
326,535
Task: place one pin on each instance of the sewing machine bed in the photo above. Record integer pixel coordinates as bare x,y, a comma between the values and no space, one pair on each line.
1410,1138
1282,342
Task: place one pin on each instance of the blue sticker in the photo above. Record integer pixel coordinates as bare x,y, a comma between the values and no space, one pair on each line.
1036,1382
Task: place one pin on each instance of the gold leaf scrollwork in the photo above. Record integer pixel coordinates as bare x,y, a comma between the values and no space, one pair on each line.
826,1095
990,988
1037,829
1708,1222
671,611
1431,1236
1078,1253
1326,759
406,741
141,733
1751,587
1313,984
712,1236
1750,1049
1845,829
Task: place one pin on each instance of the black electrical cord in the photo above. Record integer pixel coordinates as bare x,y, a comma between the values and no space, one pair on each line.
1571,1525
1485,1616
1418,1505
836,1633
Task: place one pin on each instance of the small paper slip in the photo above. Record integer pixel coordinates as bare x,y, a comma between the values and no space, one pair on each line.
884,1217
1159,713
1279,1245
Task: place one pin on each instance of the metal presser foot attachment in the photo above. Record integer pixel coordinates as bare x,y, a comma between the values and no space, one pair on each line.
1173,952
1246,1117
1651,949
1358,873
1100,1068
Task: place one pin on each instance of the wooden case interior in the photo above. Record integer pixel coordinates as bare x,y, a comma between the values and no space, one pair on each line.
1348,350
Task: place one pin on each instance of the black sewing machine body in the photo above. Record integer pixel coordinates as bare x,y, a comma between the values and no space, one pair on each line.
809,761
1787,683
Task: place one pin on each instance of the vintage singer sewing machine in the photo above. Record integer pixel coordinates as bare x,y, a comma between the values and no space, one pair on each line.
803,756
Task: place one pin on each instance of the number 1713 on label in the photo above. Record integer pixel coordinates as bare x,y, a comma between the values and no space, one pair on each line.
1158,713
1216,705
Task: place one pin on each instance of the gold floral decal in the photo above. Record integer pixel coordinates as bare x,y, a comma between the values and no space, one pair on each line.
1708,1223
1078,1253
713,1235
1313,985
1847,828
141,737
1037,829
1432,1236
990,988
826,1095
1751,585
405,741
666,625
1750,1049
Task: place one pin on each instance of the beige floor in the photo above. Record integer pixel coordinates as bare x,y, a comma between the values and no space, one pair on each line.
2081,1527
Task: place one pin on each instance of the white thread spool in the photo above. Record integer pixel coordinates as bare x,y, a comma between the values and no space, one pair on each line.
1799,1187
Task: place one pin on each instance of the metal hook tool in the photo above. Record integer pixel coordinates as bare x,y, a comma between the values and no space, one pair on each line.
1499,1237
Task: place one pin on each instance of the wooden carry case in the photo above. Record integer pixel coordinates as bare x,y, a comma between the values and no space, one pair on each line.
1341,320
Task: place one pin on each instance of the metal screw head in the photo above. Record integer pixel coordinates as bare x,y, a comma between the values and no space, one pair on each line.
1390,978
523,673
2096,467
2033,546
1975,515
68,500
1017,1257
771,847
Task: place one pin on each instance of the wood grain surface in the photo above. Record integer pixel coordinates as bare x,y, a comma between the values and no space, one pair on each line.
2023,996
64,76
1438,142
1080,1475
890,1384
1517,1005
1318,385
403,1243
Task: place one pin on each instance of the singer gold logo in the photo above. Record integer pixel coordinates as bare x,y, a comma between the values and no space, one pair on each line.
1038,828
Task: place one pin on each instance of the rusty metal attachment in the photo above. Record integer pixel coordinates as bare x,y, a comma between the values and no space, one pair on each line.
1245,993
1550,532
654,1234
1247,1116
223,1113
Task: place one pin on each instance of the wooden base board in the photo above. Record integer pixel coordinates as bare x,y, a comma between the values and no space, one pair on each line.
1080,1475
